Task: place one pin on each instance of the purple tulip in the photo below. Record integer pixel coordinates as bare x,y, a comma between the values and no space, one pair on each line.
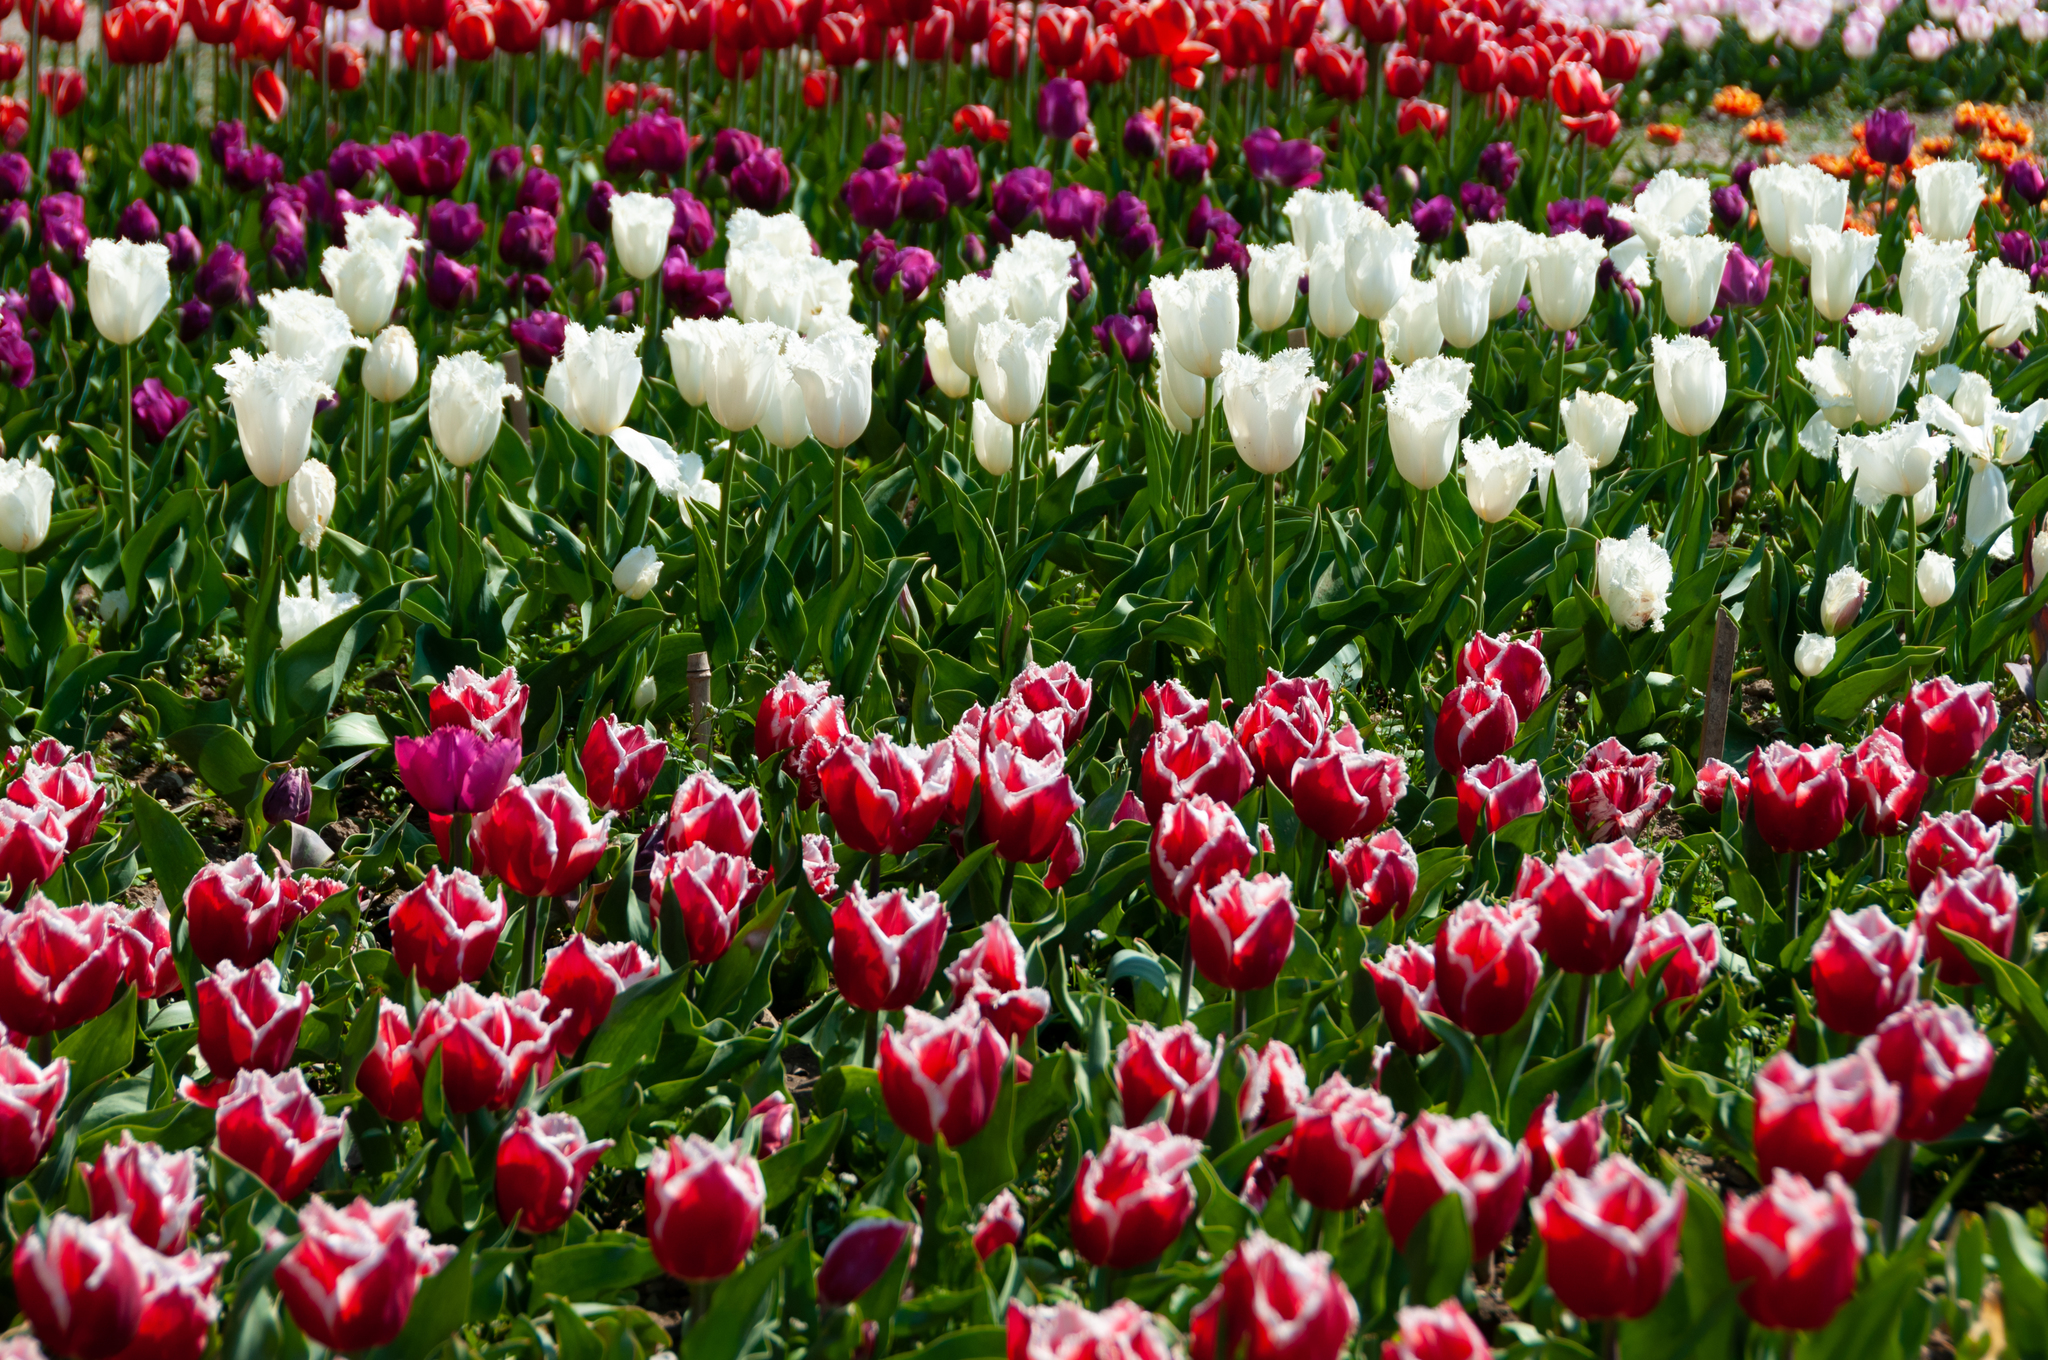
955,168
63,224
973,253
873,243
874,198
287,252
588,273
195,319
597,209
184,248
693,229
224,279
1130,336
541,190
1291,163
2018,250
1062,108
170,165
924,199
1021,193
730,148
503,163
1142,139
348,165
1889,135
540,338
1709,328
428,165
1499,165
1744,282
622,152
1127,212
454,228
64,170
1142,305
1190,162
535,288
157,409
138,223
320,202
663,141
450,286
527,240
1084,282
1481,202
16,223
698,294
1075,212
886,152
1228,251
16,175
48,293
1730,207
1206,221
452,769
2026,182
250,169
1587,216
625,302
225,137
1741,173
1142,241
1433,218
912,270
17,357
1375,198
761,181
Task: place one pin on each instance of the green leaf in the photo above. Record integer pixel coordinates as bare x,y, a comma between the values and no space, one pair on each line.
969,1343
989,1158
103,1045
224,761
611,1262
740,1304
1438,1253
438,1310
804,1159
632,1030
2015,987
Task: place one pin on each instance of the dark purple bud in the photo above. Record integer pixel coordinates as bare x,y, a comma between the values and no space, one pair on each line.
17,358
1744,282
1142,140
1127,212
1084,282
597,209
1228,251
288,253
1376,199
1709,328
225,137
157,409
1021,193
874,198
224,279
1129,336
503,163
1499,165
1740,175
1292,164
1481,202
1729,205
730,147
762,181
290,798
973,253
692,228
1142,241
1433,218
2018,250
884,153
1141,305
195,319
527,240
955,168
541,190
350,164
622,152
540,337
63,224
693,292
858,1257
1062,108
536,289
924,199
16,175
48,293
172,166
1889,135
138,223
64,171
913,271
450,286
1190,162
873,243
251,169
1206,221
454,228
1075,212
624,302
589,272
184,248
2024,180
662,141
428,165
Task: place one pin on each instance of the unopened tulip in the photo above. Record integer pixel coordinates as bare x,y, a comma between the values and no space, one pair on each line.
1693,951
1614,792
1026,803
275,1126
1946,725
390,1075
273,399
1935,578
1597,423
941,1076
543,1162
1501,790
1689,270
26,489
1817,1121
835,372
1132,1201
1285,721
1242,930
1273,285
885,949
1445,1332
350,1280
1633,576
392,367
1939,1060
581,981
1413,327
246,1020
859,1257
710,891
1266,403
1380,872
1487,968
80,1285
488,1045
1793,1251
1274,1303
1951,842
309,501
1378,260
2005,790
1497,478
1013,361
1195,845
1981,904
1562,272
466,406
1342,1136
1001,1225
1949,194
1198,317
1800,797
1611,1239
1717,778
620,763
1274,1086
1790,198
127,286
640,231
30,1097
365,279
778,1122
991,973
1840,260
1464,300
1440,1156
1884,790
235,912
1174,1073
1691,382
741,362
1404,982
1589,906
1514,665
59,966
1555,1144
1423,414
1476,724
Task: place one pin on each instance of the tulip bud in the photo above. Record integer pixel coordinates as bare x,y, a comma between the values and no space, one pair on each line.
941,1076
1800,796
488,1045
1611,1237
390,1075
1440,1156
1381,873
860,1256
1273,1301
246,1021
30,1097
1274,1085
392,367
351,1279
1486,968
886,949
1936,578
1940,1062
1174,1066
1132,1201
991,973
1793,1251
637,573
1342,1137
290,798
1242,930
1947,724
25,493
1842,599
1979,903
1819,1121
275,1127
80,1285
582,980
543,1162
1948,842
1554,1144
1001,1225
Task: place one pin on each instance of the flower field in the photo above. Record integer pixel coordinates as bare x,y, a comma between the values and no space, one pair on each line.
929,678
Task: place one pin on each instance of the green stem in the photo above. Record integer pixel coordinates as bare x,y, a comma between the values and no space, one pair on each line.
1272,607
838,515
1208,438
1365,402
127,447
1187,971
1479,576
536,922
1583,1012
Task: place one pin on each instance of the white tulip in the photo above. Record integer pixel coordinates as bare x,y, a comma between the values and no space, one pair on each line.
300,612
1572,470
1841,598
1014,361
971,302
1689,275
995,443
837,374
1063,461
1972,397
1411,329
1840,260
1789,198
1198,317
637,573
742,361
305,326
1464,300
309,501
25,491
1950,193
1691,380
1670,206
659,459
1597,423
1814,654
273,399
126,285
1503,247
1826,371
784,234
1266,403
596,378
644,694
1880,360
947,376
1378,260
640,228
1932,281
1181,394
381,226
2007,306
115,607
690,340
1423,411
1936,577
1497,478
1562,271
1035,274
365,282
1329,299
1443,368
1989,436
783,422
1273,285
466,406
1896,461
1320,217
392,366
1634,577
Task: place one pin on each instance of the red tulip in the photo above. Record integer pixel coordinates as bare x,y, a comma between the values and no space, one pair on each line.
884,798
1067,1331
793,713
1815,1121
1284,722
1610,1239
991,973
1947,724
1486,967
704,1207
235,912
67,789
1801,796
1062,34
539,837
1406,74
1274,1086
1342,1137
1694,951
521,24
495,708
1242,930
620,760
246,1021
1380,872
1182,761
1273,1303
64,87
778,1123
1793,1250
1555,1144
1057,689
1939,1060
32,846
1476,723
1175,1067
1042,736
80,1285
1884,790
1001,1225
1025,803
350,1281
1440,1156
488,1045
582,980
885,949
140,32
152,968
2005,790
1132,1201
1616,54
859,1257
30,1097
710,891
1405,983
941,1076
1589,905
1171,701
1511,664
1576,89
60,966
1195,845
1441,1333
445,931
1950,841
275,1127
1864,969
543,1162
391,1072
452,769
821,870
179,1306
1982,904
842,39
1614,793
1503,790
1716,778
1342,790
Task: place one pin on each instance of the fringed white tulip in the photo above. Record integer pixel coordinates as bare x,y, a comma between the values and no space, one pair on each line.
1273,285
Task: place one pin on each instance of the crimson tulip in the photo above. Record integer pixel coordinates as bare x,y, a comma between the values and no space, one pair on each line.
1980,904
1503,790
80,1285
30,1097
1171,701
1405,983
1864,969
884,798
1717,778
247,1021
1342,1137
1513,665
1242,930
1067,1331
821,870
1793,1250
778,1122
1439,1156
620,760
1486,967
1174,1067
1132,1200
488,1045
1001,1225
859,1257
1274,1086
350,1281
1884,789
67,789
1610,1239
792,712
710,891
32,846
1341,790
2005,790
1476,724
1589,905
236,913
152,967
391,1072
1939,1060
704,1207
1195,845
1945,725
706,812
445,931
452,769
179,1305
1284,722
1056,689
1274,1303
1444,1332
1951,842
1555,1144
885,949
543,1162
275,1127
495,708
582,980
1614,793
1801,796
1694,951
941,1076
1025,803
1042,736
1380,872
1182,761
991,973
1817,1121
539,837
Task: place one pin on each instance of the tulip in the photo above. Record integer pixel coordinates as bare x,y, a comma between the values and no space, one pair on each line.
1555,1145
1342,1137
1693,951
1819,1121
1266,403
246,1021
581,982
1001,1225
885,950
1596,423
2005,788
1790,198
1590,905
365,281
392,367
1274,1086
1065,1331
1329,297
1562,271
1947,724
1273,285
1611,1237
1195,845
1242,930
1981,904
1801,796
539,837
80,1285
1380,872
179,1306
488,1045
1884,791
160,410
543,1162
1404,983
710,891
941,1076
859,1257
1424,405
706,812
350,1280
1026,803
1486,968
466,405
1274,1303
1057,690
1949,194
1502,789
1181,761
59,966
1132,1200
742,359
1691,381
620,763
25,493
1034,274
640,225
1171,1073
885,798
275,1127
453,770
390,1075
33,842
1793,1251
1497,478
1012,361
1413,327
1939,1060
309,502
1198,317
1933,280
127,285
1948,842
30,1097
1840,260
970,303
1614,793
704,1207
835,373
273,399
991,973
1445,1332
597,379
1378,259
1341,791
1935,578
1440,1156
